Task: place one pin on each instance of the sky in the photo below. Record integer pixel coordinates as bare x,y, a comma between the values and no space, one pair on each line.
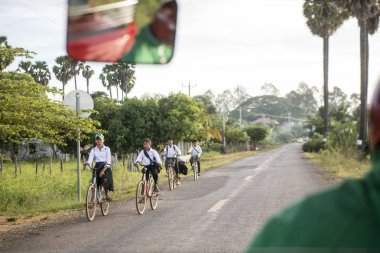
220,44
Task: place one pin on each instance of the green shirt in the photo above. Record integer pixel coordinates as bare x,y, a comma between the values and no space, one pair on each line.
148,49
343,219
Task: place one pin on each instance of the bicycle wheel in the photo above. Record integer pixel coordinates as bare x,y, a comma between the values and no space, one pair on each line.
171,178
105,205
154,197
140,197
195,170
91,203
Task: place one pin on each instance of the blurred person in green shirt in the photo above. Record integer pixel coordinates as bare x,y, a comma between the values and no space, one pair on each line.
155,42
342,219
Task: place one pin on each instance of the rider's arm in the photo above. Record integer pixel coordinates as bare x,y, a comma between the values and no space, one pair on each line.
108,158
200,151
91,157
190,150
157,157
177,150
139,158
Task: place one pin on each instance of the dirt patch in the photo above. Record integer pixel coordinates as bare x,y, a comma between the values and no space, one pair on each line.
326,175
23,226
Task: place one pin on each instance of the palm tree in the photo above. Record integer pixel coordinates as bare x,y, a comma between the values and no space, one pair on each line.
25,66
126,78
367,14
108,77
324,17
87,73
62,71
75,69
41,73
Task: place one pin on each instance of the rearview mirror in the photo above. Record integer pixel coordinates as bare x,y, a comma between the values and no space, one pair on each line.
129,31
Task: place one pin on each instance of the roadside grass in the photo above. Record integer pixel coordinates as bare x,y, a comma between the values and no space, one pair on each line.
340,165
28,194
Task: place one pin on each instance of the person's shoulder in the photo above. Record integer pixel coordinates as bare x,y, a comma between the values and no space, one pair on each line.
306,222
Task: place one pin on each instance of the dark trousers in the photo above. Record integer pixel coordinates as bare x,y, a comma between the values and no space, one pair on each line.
107,179
153,170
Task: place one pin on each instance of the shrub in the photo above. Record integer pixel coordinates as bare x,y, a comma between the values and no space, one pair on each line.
314,145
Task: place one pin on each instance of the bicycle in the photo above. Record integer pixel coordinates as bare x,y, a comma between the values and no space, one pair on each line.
145,190
172,178
95,196
194,166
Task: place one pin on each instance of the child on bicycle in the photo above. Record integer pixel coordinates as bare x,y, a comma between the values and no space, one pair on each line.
151,160
102,156
195,151
171,151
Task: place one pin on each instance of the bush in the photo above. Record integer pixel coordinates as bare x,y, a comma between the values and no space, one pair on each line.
284,137
314,145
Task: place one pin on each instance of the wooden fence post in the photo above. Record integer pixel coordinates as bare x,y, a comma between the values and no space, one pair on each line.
1,164
43,166
36,166
20,167
15,162
51,165
61,164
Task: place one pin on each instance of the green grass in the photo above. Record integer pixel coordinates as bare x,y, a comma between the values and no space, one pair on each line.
28,194
339,165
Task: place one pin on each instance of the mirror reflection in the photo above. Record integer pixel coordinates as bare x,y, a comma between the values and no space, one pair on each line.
122,31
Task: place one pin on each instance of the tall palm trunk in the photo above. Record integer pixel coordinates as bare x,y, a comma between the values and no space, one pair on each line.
325,85
363,83
117,93
122,95
88,85
110,92
63,91
75,81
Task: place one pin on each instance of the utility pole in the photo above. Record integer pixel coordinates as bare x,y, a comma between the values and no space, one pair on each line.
290,128
189,86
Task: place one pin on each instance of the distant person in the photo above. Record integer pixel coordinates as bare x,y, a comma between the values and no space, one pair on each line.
171,151
151,160
195,151
154,43
102,156
342,219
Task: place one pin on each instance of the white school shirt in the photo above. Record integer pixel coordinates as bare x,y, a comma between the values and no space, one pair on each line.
197,150
170,152
100,155
145,160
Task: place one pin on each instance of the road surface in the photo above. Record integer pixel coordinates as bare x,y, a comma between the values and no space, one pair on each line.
218,213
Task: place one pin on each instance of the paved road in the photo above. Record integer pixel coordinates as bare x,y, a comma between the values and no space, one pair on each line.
218,213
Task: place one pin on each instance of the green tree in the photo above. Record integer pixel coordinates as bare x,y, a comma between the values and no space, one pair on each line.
87,73
257,133
182,118
126,79
207,103
108,78
304,98
75,69
41,73
62,71
8,54
27,112
25,66
324,17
